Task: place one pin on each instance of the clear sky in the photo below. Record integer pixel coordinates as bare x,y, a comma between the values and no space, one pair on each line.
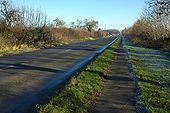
110,13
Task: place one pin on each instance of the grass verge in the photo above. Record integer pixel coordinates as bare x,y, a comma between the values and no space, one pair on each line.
80,93
17,50
152,72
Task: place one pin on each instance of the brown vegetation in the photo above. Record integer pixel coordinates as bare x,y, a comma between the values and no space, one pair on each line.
21,26
70,34
153,28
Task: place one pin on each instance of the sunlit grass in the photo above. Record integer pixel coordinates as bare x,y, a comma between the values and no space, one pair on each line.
79,94
153,82
18,50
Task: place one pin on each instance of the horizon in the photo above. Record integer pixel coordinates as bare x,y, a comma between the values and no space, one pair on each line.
114,15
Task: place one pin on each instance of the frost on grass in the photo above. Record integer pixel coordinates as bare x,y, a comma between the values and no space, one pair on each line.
152,72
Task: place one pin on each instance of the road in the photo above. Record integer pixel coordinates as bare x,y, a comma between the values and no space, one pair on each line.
26,78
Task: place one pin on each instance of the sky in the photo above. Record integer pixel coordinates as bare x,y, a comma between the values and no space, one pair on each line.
111,14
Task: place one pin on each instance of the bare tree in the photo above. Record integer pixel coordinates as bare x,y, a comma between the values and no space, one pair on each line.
10,16
85,24
78,24
59,23
90,25
160,7
153,28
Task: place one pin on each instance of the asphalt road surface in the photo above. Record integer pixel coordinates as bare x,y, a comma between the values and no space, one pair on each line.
25,78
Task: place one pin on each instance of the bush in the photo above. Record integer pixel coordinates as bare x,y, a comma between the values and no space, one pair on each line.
26,26
62,34
144,34
35,36
153,29
7,43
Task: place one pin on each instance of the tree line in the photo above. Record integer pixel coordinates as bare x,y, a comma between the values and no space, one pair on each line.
153,27
24,25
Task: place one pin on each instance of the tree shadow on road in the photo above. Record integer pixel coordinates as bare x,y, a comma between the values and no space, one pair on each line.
27,67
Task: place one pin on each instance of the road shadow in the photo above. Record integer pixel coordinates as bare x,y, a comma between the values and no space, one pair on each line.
27,67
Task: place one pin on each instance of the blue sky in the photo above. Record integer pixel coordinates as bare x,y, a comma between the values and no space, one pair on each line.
110,13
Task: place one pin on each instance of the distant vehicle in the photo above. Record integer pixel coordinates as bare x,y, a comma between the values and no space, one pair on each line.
112,32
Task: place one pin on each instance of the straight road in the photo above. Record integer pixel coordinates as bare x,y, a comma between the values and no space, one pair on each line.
26,78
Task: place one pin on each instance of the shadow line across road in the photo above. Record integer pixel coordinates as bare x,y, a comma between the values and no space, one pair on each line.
27,78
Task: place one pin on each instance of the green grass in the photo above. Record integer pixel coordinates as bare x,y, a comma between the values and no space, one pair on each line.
154,95
138,49
18,50
80,93
78,40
